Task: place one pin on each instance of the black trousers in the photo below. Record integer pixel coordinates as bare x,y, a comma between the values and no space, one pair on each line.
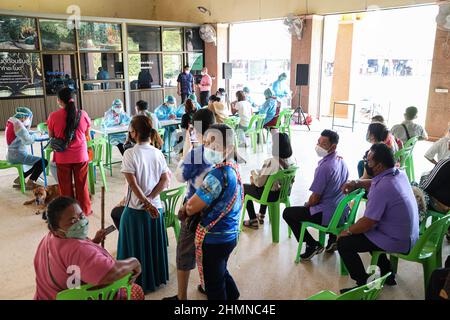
184,97
294,216
437,282
35,170
218,281
350,246
257,192
116,214
204,96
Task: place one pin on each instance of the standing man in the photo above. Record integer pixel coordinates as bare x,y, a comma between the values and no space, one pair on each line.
390,222
205,87
185,83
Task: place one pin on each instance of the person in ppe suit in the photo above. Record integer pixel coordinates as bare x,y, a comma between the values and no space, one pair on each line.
167,111
18,137
281,90
116,116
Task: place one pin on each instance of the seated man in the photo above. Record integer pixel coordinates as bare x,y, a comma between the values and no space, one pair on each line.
166,111
390,222
330,175
440,149
437,186
408,129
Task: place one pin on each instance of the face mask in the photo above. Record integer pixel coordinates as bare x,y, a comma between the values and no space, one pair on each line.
118,110
321,152
202,73
212,156
27,123
369,170
79,230
187,71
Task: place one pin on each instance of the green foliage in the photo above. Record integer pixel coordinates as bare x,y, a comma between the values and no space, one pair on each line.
172,39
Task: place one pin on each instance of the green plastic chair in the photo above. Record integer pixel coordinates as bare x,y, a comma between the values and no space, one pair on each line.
232,122
91,292
334,227
283,122
255,129
98,122
411,143
170,199
286,125
97,145
427,251
434,215
369,291
42,127
285,178
6,165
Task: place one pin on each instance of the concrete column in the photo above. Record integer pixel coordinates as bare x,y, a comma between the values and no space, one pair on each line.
438,112
217,54
308,50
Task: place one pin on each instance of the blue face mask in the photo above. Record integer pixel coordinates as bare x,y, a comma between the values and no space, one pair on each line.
78,230
213,157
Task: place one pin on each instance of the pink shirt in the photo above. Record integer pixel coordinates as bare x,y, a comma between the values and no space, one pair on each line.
77,150
93,261
205,83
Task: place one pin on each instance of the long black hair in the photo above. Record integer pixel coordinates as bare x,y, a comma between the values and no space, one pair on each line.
67,96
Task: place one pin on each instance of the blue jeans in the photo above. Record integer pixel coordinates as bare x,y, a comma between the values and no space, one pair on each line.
218,281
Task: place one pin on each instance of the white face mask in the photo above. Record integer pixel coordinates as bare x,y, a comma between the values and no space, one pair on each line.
27,123
321,152
213,157
203,73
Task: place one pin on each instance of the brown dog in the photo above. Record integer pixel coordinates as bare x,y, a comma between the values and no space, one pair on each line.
42,197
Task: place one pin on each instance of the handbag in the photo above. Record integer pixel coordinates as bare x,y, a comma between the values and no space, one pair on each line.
59,144
193,221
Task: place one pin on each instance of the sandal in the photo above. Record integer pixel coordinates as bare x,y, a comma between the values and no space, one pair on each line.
261,218
252,223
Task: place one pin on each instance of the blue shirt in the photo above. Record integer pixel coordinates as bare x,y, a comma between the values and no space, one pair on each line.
186,81
227,228
269,108
330,175
163,112
393,205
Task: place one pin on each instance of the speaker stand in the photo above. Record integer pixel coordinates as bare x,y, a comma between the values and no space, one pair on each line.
299,109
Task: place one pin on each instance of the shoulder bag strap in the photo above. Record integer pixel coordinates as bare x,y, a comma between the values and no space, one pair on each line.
406,130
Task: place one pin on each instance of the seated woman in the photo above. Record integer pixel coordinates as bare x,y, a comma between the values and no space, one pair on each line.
376,133
67,245
218,202
270,108
142,231
166,111
181,108
244,109
281,159
116,116
17,139
218,108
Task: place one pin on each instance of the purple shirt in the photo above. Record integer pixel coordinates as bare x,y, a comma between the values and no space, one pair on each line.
392,203
330,175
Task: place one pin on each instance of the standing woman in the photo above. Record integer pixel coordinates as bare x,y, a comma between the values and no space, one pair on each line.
142,232
219,201
72,163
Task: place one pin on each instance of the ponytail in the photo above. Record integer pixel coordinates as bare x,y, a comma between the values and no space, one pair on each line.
67,96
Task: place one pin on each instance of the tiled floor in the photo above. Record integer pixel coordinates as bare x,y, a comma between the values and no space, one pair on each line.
262,270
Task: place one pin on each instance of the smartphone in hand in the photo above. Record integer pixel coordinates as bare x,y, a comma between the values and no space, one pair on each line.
110,229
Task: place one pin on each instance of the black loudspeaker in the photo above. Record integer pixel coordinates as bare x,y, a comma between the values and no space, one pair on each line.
302,75
227,70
